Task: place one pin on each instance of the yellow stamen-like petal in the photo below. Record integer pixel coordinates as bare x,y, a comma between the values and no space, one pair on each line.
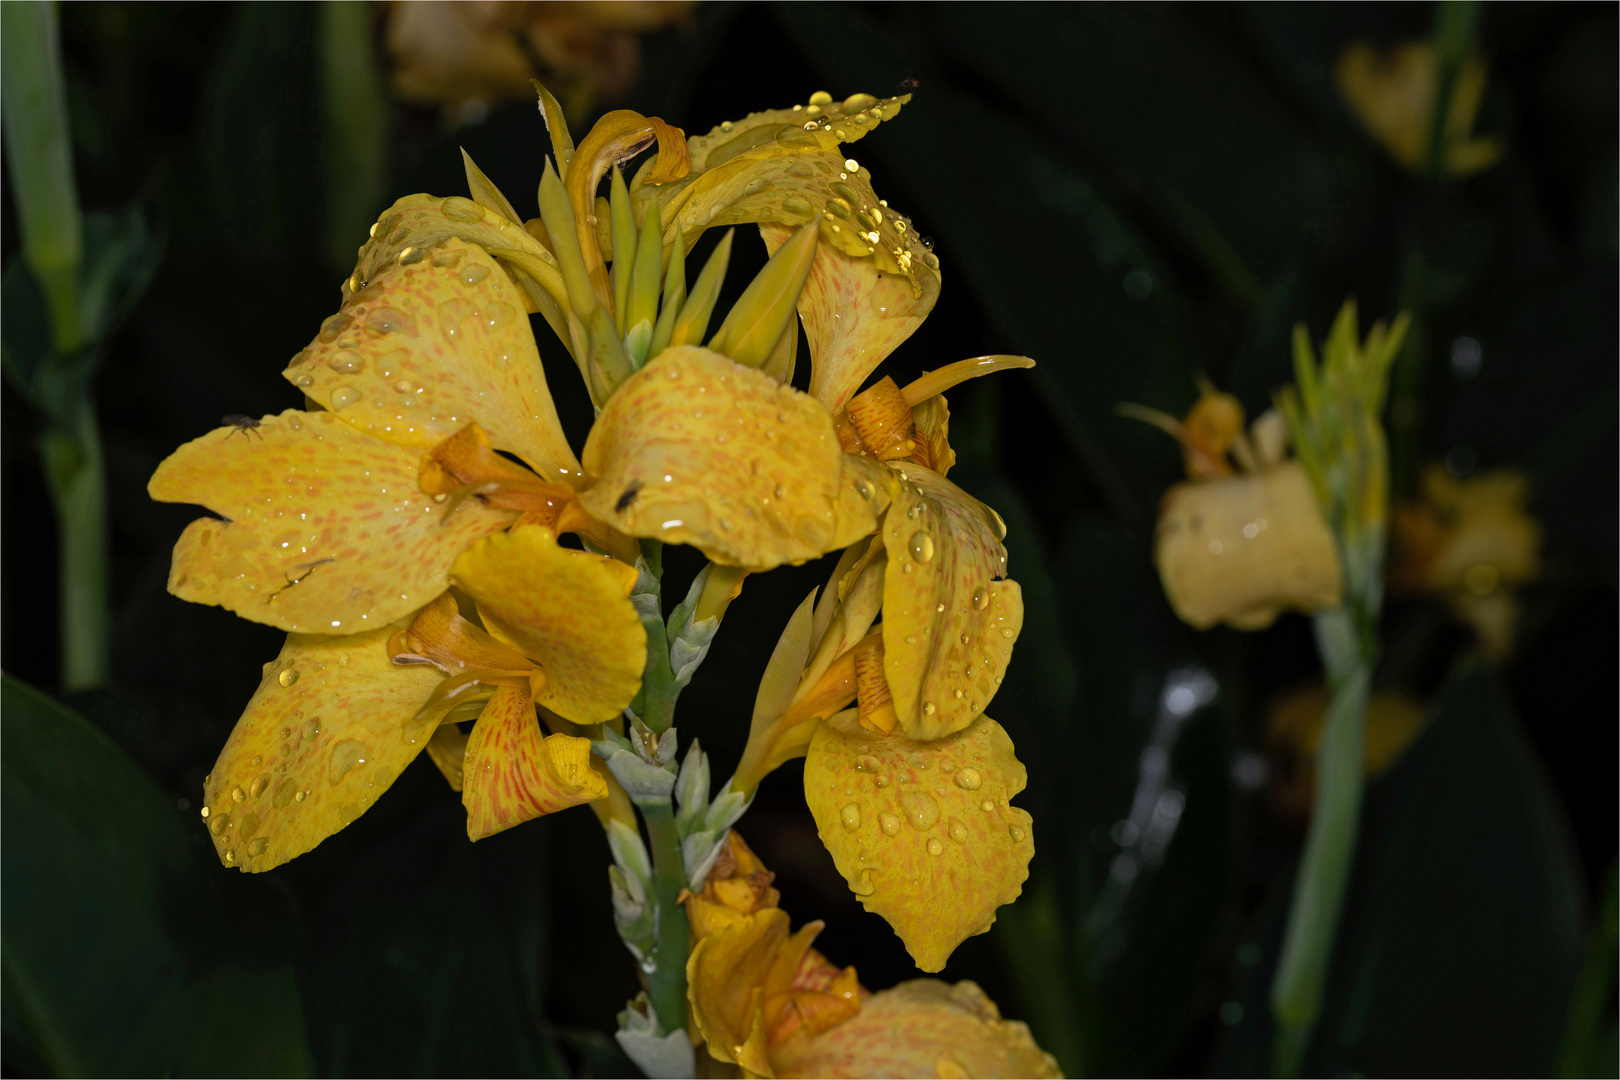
856,312
725,978
922,831
922,1028
325,530
569,611
948,624
428,347
695,449
513,772
1243,548
323,737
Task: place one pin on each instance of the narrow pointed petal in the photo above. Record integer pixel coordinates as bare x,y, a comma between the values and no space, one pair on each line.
950,622
324,531
625,243
924,1027
695,449
569,611
725,979
485,193
756,321
855,314
448,749
322,738
430,346
562,141
514,773
645,278
693,321
922,831
673,299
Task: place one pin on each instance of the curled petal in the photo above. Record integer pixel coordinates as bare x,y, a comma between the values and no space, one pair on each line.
695,449
325,734
513,773
427,347
569,611
617,136
1241,549
725,980
949,625
325,530
923,831
920,1028
857,310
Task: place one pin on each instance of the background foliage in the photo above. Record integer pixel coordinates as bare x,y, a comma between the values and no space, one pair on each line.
1131,195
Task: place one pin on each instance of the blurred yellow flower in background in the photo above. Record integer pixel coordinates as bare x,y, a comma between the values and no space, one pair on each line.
1293,735
1393,95
1472,542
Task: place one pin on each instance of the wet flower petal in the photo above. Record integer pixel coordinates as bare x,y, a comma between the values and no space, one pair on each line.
695,449
512,773
725,978
920,1028
949,625
922,831
325,529
569,611
427,348
325,734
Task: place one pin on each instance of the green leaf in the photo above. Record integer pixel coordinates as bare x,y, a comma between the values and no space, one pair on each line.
127,951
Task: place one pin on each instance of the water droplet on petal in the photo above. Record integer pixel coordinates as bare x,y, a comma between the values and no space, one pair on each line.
347,755
344,396
969,779
219,824
987,805
981,598
921,810
889,823
259,785
928,708
1016,833
258,846
921,546
850,815
343,659
288,676
312,728
935,847
238,794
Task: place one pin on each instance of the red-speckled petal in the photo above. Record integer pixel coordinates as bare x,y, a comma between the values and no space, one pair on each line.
512,773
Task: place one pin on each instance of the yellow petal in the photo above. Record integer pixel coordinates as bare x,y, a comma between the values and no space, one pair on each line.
725,979
322,738
512,773
1243,548
948,625
695,449
448,749
428,348
760,129
933,419
567,610
325,529
922,831
856,311
920,1028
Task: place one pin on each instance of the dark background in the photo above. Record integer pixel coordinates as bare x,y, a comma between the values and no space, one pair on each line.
1051,152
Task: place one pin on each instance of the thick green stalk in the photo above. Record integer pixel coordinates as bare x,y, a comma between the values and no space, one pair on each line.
77,481
666,977
354,115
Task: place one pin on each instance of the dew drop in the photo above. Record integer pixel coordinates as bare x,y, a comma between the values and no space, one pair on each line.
250,825
969,779
295,423
304,380
238,794
1016,833
347,755
288,676
981,598
258,846
858,103
935,847
473,273
850,815
410,256
795,205
205,811
498,314
882,781
312,728
889,823
867,763
928,708
284,793
821,97
921,810
346,361
333,326
921,546
230,856
220,823
987,806
300,796
343,659
344,396
260,784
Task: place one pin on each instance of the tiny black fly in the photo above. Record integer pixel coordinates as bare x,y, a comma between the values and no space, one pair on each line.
628,498
245,424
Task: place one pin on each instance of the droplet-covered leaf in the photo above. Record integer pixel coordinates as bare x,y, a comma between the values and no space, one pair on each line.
326,733
325,529
695,449
923,831
430,346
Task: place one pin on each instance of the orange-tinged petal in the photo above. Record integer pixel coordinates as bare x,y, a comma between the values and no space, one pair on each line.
322,738
948,624
933,419
696,449
325,530
856,312
512,772
725,979
923,831
617,136
428,347
569,611
920,1028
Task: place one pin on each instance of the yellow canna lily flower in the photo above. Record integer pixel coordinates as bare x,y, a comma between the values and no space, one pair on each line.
1240,544
763,999
1393,95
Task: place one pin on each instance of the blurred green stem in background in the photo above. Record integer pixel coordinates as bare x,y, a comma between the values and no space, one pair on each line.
1333,412
1454,24
40,153
354,115
1585,1040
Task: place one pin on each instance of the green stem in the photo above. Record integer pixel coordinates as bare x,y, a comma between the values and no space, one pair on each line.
666,981
1301,979
77,481
1593,990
